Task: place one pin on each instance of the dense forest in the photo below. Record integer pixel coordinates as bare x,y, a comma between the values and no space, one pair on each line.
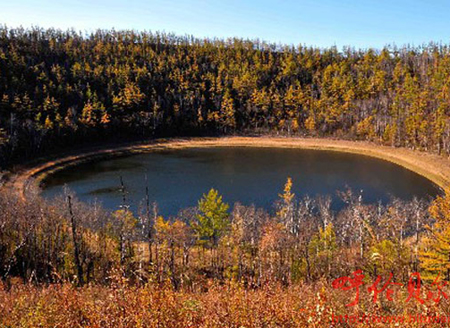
63,88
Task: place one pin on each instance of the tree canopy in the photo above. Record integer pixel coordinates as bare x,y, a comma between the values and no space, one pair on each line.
60,88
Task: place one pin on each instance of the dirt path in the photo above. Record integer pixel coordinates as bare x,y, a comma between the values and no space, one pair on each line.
433,167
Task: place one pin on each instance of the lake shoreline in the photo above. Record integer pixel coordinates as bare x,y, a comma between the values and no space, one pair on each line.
431,166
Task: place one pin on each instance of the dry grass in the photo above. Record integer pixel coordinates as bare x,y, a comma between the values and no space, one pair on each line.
220,306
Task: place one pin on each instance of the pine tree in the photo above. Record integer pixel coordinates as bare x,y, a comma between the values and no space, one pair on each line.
213,218
227,110
434,251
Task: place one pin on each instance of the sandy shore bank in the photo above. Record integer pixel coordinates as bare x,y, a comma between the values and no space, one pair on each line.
433,167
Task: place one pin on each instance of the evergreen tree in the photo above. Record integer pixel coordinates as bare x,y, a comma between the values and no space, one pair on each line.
213,218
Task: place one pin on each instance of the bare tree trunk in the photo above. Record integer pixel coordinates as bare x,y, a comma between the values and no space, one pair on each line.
416,250
308,264
75,243
172,266
149,223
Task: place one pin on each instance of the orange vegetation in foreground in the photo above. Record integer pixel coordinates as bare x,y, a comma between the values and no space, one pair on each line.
221,306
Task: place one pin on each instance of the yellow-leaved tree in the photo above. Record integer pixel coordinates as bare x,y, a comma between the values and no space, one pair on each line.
286,198
435,246
322,248
2,136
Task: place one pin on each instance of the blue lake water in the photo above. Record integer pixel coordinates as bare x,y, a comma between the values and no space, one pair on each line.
177,178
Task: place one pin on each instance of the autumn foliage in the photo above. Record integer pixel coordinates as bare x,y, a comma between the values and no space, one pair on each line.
67,264
62,88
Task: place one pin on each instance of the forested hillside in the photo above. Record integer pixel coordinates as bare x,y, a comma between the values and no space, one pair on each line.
60,88
216,265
